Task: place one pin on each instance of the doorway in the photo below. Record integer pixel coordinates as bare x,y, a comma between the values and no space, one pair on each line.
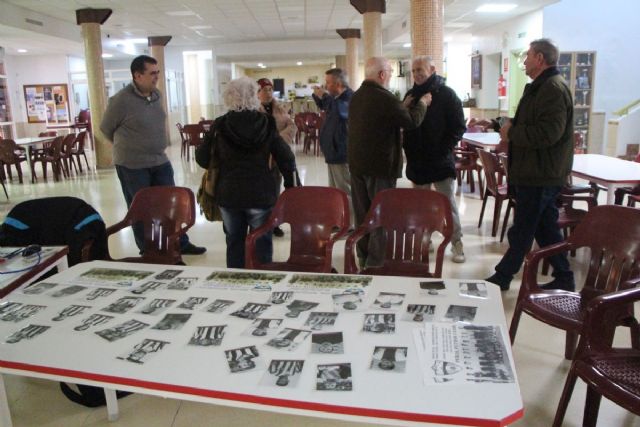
517,79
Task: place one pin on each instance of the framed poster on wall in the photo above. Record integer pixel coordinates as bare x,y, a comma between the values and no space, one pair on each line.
47,103
476,72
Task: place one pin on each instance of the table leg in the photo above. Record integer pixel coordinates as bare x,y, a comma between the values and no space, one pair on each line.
611,193
33,173
5,415
112,404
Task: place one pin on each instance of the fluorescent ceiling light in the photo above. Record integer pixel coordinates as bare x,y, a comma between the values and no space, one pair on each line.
457,25
200,27
107,55
181,13
299,63
137,41
22,50
496,7
260,64
406,45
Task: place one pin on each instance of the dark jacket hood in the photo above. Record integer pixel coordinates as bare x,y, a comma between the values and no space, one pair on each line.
248,129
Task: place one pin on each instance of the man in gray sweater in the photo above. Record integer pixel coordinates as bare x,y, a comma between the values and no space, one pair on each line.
135,122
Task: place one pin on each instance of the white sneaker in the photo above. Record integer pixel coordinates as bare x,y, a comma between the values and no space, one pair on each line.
458,253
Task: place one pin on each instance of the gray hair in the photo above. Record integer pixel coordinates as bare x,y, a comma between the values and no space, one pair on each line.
373,66
548,49
428,60
338,75
241,94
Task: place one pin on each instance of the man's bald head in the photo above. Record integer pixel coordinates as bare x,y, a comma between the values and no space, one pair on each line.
378,69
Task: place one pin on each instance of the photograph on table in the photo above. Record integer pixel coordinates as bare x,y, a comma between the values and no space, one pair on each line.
122,330
298,306
319,320
379,323
172,321
219,305
461,313
147,287
69,290
238,280
389,359
99,293
349,300
156,306
251,310
206,336
263,327
289,339
91,321
283,373
327,343
473,290
192,303
38,288
111,276
280,297
142,352
22,312
334,377
72,310
433,288
419,313
26,333
167,274
327,283
122,305
243,359
388,301
181,283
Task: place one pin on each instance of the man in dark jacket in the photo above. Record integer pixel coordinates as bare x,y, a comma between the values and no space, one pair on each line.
540,159
429,147
333,135
374,151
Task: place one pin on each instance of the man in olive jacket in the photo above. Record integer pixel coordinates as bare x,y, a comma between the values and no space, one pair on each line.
374,151
540,159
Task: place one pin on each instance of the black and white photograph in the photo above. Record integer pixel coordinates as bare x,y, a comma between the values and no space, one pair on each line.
219,305
22,312
181,283
70,311
122,330
7,306
389,359
334,377
263,328
122,305
419,313
349,300
327,343
243,359
91,321
112,276
319,320
238,280
38,288
206,336
289,339
167,275
251,310
298,306
484,354
142,352
473,290
149,286
388,301
280,297
156,306
69,290
172,321
99,293
328,283
192,303
433,288
26,333
461,313
283,373
379,323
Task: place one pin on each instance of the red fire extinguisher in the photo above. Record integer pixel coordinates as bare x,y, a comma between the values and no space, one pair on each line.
502,86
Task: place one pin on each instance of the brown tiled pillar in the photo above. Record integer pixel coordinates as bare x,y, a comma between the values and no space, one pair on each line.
90,21
371,11
427,17
157,45
351,37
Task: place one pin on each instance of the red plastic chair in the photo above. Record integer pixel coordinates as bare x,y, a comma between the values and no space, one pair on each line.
408,218
492,168
66,154
50,154
610,372
78,149
192,138
466,163
166,213
318,217
206,124
10,154
612,233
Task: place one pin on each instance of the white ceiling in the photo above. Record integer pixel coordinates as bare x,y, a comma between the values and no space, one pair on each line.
212,23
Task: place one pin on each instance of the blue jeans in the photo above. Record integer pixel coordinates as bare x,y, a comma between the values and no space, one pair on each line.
234,224
133,180
535,216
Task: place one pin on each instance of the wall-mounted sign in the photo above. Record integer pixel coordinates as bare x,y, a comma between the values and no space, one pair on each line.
476,72
47,103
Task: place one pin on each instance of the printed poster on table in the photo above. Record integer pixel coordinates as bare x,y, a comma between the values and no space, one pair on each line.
327,283
237,280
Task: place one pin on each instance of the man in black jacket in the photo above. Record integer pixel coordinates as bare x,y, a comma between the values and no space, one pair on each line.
429,147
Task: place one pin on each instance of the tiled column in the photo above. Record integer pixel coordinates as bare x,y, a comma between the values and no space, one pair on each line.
351,37
371,11
427,18
341,62
90,21
157,45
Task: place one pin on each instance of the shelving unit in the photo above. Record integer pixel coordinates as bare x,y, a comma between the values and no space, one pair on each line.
578,69
6,122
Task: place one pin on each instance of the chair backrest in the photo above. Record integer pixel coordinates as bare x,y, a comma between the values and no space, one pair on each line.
491,166
84,116
408,217
48,133
8,149
56,147
192,133
80,141
205,125
67,144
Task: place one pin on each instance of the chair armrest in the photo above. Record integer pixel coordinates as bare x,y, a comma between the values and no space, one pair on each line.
530,271
350,266
251,261
570,198
113,229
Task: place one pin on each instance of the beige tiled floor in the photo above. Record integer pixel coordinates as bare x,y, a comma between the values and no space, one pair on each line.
538,351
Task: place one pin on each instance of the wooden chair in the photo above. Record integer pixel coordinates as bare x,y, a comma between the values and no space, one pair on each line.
165,213
10,154
318,217
491,167
192,138
78,149
612,372
612,234
408,217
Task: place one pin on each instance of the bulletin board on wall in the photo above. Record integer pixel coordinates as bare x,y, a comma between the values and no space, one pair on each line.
47,103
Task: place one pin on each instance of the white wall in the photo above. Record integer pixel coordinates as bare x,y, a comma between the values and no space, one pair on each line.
458,56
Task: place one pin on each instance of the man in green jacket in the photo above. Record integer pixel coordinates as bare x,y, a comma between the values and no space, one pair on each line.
374,151
540,159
